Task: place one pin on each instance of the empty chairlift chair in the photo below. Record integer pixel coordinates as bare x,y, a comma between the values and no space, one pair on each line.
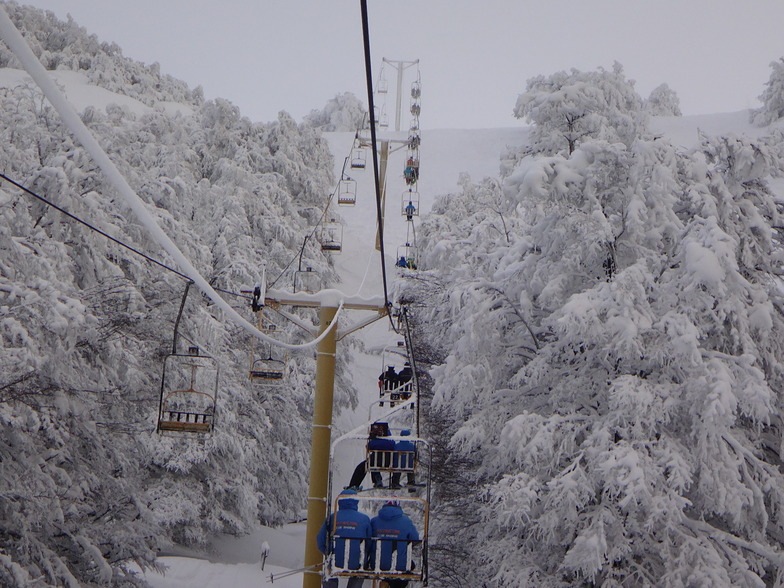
307,280
331,237
267,368
347,192
358,158
189,389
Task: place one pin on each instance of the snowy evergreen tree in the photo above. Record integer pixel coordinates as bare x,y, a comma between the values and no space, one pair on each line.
772,98
663,101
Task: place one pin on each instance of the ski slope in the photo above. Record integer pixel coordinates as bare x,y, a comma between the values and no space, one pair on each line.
445,154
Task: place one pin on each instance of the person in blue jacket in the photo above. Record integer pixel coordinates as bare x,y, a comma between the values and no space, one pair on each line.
405,459
351,528
393,534
380,449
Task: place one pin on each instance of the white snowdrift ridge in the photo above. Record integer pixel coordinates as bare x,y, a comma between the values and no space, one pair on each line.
13,38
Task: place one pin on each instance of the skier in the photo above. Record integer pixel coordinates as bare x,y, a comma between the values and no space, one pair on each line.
265,549
393,532
380,450
411,172
402,262
403,378
350,527
405,459
410,210
389,379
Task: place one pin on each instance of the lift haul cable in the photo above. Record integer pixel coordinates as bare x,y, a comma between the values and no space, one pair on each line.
89,226
104,234
13,38
310,236
373,145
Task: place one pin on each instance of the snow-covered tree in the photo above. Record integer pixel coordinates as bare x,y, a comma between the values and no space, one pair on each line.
611,375
772,98
345,112
569,108
663,101
85,325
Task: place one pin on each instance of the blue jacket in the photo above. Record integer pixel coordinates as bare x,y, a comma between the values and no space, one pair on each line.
378,460
393,531
404,456
351,524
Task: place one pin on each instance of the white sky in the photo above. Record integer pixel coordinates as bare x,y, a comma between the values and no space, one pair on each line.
294,55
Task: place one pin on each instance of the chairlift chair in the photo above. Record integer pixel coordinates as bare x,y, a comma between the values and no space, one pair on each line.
189,389
409,204
347,192
267,368
416,89
358,158
416,108
409,558
307,280
407,256
331,237
396,357
411,171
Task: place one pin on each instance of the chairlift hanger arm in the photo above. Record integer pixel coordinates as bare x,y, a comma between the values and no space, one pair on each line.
302,324
382,313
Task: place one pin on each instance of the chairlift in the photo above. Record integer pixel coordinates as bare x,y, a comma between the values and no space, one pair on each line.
411,171
189,389
383,120
407,257
414,126
347,192
331,237
358,158
385,558
267,368
416,89
307,280
414,141
416,108
383,86
409,204
392,389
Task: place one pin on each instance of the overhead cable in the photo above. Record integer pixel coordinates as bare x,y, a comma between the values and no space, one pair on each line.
13,38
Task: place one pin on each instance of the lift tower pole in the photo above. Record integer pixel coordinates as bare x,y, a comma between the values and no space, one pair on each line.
320,443
400,66
328,302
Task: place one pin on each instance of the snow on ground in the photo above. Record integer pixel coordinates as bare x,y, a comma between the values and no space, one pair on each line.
186,572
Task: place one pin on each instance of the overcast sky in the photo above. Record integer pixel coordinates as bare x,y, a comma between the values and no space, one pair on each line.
294,55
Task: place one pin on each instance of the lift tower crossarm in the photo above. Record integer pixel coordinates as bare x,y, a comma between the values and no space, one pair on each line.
400,66
318,299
